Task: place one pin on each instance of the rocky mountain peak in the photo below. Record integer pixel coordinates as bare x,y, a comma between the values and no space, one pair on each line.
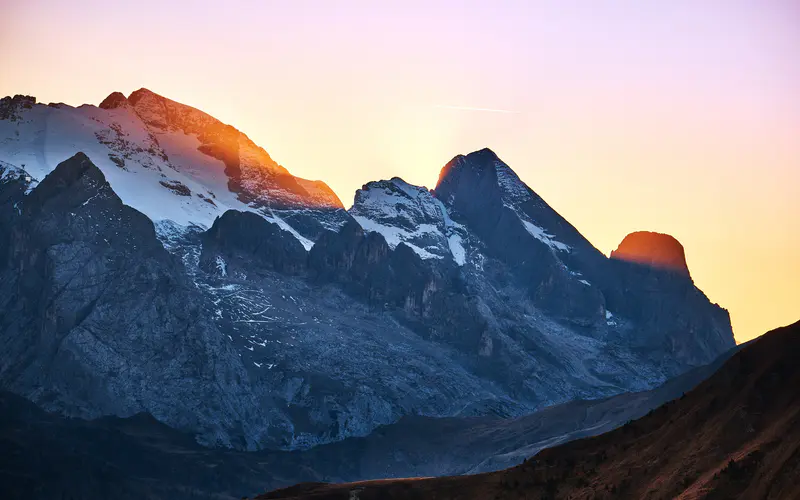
143,94
114,100
162,113
385,193
477,160
405,213
11,106
481,173
653,249
168,160
75,174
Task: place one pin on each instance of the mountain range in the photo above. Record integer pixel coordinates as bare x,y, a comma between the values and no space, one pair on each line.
155,260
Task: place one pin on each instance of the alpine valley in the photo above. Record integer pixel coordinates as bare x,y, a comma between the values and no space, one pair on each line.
155,260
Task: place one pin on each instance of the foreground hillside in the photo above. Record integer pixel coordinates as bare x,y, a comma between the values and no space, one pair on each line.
737,435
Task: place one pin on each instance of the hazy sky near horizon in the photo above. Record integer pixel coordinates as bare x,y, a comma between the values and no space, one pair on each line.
680,117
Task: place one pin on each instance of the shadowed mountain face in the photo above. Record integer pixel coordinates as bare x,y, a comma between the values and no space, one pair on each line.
97,317
49,456
549,256
736,435
565,276
174,268
653,249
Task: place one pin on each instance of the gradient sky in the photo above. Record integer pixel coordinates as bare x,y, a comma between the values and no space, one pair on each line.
680,117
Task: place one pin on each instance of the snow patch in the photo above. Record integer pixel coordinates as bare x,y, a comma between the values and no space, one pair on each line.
404,213
411,190
396,235
134,158
222,266
457,249
541,235
307,244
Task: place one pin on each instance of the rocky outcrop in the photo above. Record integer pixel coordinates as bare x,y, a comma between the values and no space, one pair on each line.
657,250
429,298
10,107
237,240
672,316
404,213
114,100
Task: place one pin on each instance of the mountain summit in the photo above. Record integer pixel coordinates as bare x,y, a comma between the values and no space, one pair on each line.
168,160
653,249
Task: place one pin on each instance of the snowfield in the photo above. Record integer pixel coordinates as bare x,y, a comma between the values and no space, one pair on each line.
161,173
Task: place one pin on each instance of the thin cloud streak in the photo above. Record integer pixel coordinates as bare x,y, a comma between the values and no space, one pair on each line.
468,108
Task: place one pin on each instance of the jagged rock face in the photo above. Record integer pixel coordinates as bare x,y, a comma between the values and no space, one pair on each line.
97,318
428,298
114,100
407,214
668,313
323,340
653,249
244,237
517,227
11,107
653,287
674,318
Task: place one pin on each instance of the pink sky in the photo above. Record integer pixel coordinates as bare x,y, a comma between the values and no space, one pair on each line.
680,117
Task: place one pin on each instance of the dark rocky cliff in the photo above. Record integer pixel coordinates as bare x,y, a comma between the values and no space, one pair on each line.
97,318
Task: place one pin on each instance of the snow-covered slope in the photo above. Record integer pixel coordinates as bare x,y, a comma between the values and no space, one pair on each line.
404,213
165,159
251,172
